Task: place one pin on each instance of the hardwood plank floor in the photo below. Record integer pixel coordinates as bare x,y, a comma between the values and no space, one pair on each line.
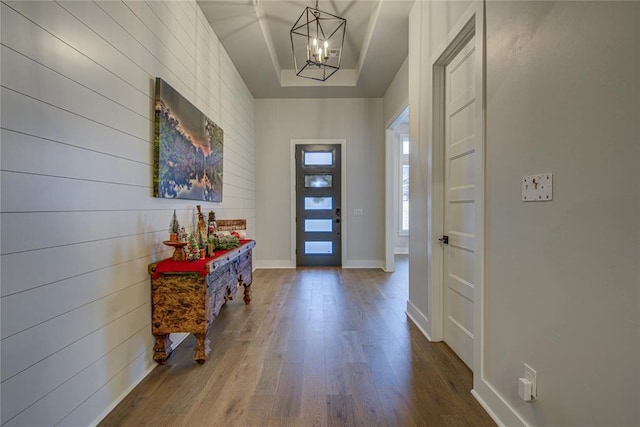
316,347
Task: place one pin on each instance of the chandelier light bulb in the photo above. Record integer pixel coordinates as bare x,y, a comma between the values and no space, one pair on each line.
310,37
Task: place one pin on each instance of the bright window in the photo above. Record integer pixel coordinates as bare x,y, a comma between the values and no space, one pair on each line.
318,158
403,225
318,203
318,225
316,248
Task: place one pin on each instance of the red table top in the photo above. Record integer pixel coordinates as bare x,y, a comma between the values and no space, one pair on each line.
195,266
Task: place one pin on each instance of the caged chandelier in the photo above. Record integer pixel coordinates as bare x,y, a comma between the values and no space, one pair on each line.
317,39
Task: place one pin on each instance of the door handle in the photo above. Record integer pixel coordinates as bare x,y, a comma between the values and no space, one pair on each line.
444,239
337,212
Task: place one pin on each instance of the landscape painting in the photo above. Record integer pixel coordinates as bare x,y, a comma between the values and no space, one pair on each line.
187,149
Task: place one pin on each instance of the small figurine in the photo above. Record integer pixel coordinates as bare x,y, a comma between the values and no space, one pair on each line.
192,250
212,227
201,225
174,228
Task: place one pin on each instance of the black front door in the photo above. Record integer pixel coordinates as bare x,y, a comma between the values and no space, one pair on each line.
318,241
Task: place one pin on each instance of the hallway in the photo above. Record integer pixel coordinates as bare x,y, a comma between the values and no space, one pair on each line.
317,346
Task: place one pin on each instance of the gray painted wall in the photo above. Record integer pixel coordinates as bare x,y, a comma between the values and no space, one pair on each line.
562,278
359,122
396,98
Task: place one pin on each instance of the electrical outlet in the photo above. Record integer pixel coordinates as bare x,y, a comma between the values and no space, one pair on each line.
531,375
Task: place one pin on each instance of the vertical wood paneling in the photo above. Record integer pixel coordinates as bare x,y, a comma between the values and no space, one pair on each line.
79,223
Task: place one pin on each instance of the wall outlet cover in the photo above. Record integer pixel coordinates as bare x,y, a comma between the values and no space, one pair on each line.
537,188
531,375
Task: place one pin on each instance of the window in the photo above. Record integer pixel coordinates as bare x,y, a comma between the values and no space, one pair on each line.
403,226
318,158
315,181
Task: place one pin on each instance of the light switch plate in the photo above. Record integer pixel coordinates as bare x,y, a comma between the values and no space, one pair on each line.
357,212
537,188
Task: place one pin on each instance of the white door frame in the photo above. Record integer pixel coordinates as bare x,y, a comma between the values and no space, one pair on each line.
471,24
343,191
391,187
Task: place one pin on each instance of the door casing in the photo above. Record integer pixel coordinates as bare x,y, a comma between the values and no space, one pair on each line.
343,192
470,25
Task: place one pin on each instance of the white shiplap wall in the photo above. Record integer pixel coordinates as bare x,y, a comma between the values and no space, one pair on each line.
79,223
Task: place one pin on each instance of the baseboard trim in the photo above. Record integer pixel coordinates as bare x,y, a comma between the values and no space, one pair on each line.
122,395
363,263
419,319
176,339
273,264
401,251
496,406
276,263
152,365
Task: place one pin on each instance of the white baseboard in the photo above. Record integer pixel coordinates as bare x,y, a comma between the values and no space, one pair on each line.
276,263
124,394
401,251
363,263
286,263
176,339
151,366
419,319
496,406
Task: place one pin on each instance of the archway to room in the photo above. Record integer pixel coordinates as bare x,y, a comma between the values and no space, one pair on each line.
397,189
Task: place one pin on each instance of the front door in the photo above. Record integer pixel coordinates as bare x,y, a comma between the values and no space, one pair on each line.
318,241
461,141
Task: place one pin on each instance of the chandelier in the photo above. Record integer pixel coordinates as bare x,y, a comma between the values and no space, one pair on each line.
317,39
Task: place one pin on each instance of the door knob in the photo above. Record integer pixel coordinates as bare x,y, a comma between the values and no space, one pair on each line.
444,239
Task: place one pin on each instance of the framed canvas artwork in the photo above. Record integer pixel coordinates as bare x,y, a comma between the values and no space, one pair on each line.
187,149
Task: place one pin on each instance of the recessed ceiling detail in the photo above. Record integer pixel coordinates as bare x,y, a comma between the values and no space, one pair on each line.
317,40
256,35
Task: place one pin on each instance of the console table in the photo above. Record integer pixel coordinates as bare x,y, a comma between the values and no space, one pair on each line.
186,296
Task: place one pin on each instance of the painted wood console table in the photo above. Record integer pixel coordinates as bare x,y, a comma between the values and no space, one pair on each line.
186,296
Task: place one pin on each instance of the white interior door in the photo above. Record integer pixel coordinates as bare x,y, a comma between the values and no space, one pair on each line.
460,199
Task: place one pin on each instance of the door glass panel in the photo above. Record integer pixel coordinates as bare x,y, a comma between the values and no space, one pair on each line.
318,203
318,181
318,158
318,248
318,225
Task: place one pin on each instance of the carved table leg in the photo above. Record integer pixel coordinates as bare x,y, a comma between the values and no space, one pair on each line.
201,349
247,290
162,349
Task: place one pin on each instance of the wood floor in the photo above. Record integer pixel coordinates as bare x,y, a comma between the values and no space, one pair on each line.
316,347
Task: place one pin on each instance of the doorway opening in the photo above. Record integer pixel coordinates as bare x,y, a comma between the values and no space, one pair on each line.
397,189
